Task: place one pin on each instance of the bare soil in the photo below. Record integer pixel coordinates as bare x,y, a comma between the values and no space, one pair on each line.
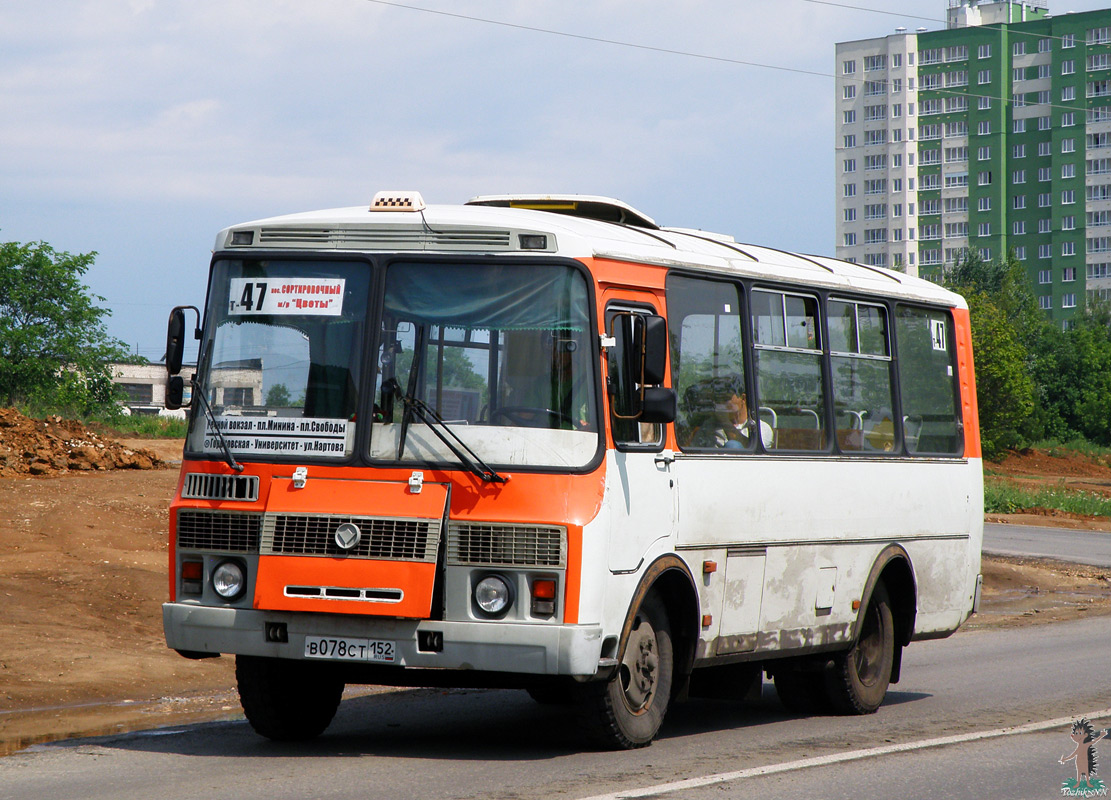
83,574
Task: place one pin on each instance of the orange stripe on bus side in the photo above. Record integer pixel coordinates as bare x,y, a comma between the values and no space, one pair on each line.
967,374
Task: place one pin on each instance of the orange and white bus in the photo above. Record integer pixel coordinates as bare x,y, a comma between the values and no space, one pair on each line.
543,442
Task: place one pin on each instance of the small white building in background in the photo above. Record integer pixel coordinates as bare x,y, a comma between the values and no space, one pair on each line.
145,386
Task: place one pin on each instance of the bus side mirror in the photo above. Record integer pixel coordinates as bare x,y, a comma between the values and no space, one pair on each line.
175,391
653,343
175,338
659,405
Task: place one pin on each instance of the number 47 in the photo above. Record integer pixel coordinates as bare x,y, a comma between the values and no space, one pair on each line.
248,301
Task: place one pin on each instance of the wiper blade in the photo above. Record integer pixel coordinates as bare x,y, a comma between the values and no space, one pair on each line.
443,431
212,418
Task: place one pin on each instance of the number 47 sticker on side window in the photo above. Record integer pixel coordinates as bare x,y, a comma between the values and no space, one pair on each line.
937,334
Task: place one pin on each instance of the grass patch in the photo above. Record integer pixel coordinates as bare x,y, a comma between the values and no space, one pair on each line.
1074,447
1002,497
140,426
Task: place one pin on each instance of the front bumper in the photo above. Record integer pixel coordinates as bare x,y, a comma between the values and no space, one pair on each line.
483,646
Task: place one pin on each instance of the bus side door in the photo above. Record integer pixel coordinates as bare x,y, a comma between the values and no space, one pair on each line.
640,485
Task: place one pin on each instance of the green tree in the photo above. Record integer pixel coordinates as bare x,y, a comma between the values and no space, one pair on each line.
1011,341
278,396
54,349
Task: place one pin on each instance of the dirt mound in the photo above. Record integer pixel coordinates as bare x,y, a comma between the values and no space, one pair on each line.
56,445
1042,463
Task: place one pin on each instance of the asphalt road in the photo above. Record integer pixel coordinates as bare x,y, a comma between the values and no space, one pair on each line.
499,744
1064,544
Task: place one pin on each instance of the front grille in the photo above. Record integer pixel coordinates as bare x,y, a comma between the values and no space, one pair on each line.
223,531
391,539
506,545
203,486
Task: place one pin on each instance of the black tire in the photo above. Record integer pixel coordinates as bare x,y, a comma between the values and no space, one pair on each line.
857,680
802,691
627,711
287,700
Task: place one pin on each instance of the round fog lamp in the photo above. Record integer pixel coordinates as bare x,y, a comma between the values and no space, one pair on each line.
492,594
228,580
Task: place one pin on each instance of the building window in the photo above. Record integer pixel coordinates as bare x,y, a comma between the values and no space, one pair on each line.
1068,119
1020,253
1068,197
983,103
896,84
1068,223
984,229
1019,202
1068,93
875,137
1099,36
1045,276
958,128
1018,228
897,60
848,67
1068,248
1019,49
1068,67
983,204
983,51
1045,302
849,190
1043,71
896,110
983,127
850,240
875,88
1045,149
1044,174
849,92
1044,45
849,165
1068,275
1068,40
875,235
1045,251
1044,200
848,117
1044,123
983,179
983,154
983,76
1068,145
1018,176
1068,300
1019,126
873,63
1018,74
897,210
1068,171
850,140
850,215
875,113
1044,226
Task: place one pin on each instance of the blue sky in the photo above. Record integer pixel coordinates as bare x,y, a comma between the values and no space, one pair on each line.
139,128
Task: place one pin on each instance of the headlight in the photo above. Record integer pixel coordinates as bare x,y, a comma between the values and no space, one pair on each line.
493,595
229,580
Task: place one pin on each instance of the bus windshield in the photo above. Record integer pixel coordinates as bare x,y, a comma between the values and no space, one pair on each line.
500,352
280,365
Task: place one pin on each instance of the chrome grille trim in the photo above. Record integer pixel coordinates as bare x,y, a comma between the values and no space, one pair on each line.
346,593
383,538
206,486
389,238
501,544
222,531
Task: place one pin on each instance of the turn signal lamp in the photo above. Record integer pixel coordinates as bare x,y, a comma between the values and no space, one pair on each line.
543,597
192,575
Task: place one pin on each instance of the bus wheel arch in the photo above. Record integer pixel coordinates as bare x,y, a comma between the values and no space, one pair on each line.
654,657
892,568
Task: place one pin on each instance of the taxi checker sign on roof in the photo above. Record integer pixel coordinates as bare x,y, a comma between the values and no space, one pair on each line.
312,296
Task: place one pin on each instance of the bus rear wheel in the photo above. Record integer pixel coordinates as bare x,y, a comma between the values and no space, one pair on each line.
627,711
287,700
857,680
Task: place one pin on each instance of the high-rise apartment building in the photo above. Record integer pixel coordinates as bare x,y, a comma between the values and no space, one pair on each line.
992,135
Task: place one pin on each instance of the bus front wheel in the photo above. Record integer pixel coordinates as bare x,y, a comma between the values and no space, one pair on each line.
287,700
626,712
857,679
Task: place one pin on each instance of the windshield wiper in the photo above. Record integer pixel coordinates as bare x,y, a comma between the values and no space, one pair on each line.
428,415
212,418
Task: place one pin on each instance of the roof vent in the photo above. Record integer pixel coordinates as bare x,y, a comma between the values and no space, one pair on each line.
603,209
397,201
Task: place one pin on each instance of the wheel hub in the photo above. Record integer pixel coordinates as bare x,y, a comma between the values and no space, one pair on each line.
640,666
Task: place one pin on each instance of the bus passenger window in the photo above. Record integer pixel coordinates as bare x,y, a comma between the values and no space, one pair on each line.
927,380
861,360
623,403
707,360
789,370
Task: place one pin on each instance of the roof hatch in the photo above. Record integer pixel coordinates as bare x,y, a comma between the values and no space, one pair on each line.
603,209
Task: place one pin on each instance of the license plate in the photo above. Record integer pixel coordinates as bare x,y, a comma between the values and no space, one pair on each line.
344,649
